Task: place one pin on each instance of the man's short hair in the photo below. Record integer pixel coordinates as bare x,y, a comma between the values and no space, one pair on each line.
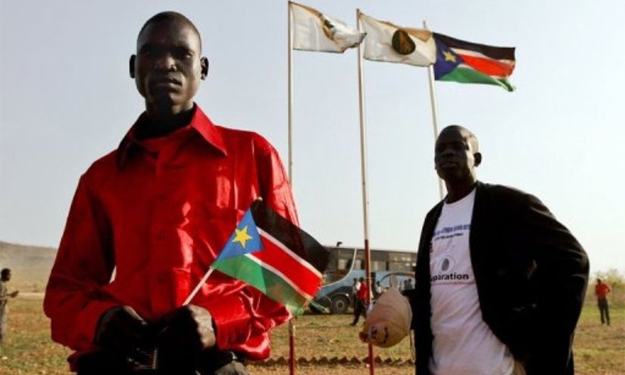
5,271
475,145
170,16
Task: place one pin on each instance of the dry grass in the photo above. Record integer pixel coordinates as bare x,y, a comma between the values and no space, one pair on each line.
28,350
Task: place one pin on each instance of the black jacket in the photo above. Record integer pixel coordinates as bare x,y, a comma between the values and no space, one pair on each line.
531,276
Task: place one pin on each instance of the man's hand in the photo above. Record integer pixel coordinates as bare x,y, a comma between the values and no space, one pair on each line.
189,327
186,332
121,330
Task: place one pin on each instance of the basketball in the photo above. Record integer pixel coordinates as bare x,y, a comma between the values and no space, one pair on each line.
389,320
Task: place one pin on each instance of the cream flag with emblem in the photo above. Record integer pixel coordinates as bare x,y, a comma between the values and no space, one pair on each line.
391,43
314,31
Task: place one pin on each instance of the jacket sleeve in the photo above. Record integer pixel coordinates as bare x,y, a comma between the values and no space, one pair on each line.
243,320
82,267
559,282
561,261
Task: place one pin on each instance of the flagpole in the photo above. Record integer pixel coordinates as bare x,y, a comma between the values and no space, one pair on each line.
290,167
290,98
363,168
198,286
441,192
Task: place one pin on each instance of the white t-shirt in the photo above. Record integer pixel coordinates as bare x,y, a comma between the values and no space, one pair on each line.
355,287
463,342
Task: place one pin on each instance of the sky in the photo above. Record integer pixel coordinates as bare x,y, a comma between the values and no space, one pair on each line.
66,99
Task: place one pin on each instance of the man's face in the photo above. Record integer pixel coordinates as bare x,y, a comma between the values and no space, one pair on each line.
455,157
168,66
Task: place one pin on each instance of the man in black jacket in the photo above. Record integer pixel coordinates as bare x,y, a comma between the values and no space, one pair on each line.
500,282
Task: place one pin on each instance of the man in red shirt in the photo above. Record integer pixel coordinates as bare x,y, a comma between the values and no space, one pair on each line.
360,306
601,291
149,218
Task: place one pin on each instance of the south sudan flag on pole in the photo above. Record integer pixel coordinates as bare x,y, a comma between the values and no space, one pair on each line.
467,62
274,256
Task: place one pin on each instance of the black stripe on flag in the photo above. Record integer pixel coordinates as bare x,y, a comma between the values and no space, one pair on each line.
298,241
498,53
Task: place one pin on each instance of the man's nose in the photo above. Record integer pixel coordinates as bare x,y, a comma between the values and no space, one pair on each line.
165,62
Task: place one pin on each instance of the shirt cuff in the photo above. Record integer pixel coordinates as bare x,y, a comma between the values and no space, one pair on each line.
231,321
87,323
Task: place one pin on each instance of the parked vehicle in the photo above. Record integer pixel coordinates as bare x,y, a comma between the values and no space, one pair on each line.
390,268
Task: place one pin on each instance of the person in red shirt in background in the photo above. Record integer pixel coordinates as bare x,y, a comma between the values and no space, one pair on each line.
360,307
148,219
601,291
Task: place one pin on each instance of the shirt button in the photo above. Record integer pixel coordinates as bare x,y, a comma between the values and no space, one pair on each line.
161,196
160,235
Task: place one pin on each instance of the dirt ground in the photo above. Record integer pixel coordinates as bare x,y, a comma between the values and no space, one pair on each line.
325,344
333,370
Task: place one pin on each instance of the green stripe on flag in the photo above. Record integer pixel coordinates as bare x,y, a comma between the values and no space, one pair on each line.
469,75
267,282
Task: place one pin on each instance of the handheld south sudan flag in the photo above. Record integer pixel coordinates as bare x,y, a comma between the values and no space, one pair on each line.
466,62
274,256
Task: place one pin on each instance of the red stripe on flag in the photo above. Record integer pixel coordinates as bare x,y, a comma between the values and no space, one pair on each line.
488,66
292,268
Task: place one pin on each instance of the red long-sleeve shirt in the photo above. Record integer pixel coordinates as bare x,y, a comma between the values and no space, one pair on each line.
602,290
363,291
159,211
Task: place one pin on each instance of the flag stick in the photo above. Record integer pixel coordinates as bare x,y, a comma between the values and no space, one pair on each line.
198,286
365,195
434,114
290,98
290,167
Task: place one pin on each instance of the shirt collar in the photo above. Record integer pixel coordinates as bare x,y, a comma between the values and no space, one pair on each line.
199,122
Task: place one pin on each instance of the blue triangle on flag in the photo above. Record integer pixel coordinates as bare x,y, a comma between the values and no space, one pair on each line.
245,239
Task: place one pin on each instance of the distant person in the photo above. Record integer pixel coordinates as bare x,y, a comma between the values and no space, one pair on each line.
355,289
408,284
499,281
395,283
601,291
5,277
378,289
148,220
355,286
361,301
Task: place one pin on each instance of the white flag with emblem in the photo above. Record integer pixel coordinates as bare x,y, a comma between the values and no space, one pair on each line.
391,43
315,31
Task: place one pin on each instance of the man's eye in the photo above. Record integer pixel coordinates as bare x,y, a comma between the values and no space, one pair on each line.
184,53
458,146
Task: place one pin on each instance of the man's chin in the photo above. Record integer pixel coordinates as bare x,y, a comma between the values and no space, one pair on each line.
164,99
443,175
166,102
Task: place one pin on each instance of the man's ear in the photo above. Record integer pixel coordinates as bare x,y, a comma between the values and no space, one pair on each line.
204,63
478,158
131,66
